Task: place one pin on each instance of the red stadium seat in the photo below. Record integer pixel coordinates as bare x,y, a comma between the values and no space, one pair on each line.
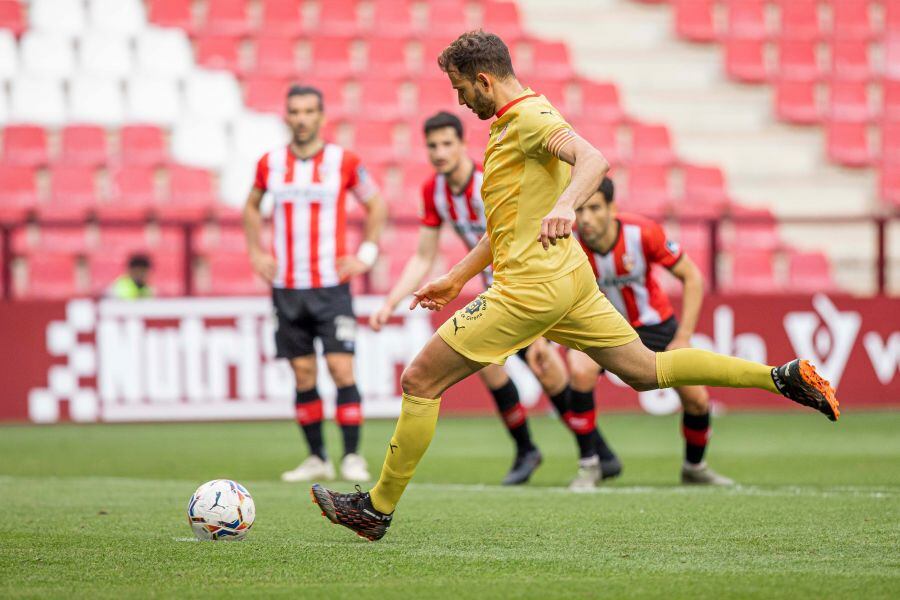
435,95
800,20
380,99
889,184
133,193
122,241
51,276
231,275
648,191
171,13
848,144
73,193
84,145
143,145
339,18
695,20
810,272
850,60
752,272
745,60
754,229
331,56
651,145
890,143
11,16
25,145
890,109
392,18
282,17
502,17
550,60
891,59
747,20
704,192
69,240
275,57
445,20
387,55
18,194
375,139
191,195
798,60
218,52
849,102
601,101
265,94
850,20
603,136
227,17
796,102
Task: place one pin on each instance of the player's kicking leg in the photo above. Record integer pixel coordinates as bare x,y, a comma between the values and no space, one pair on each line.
431,372
506,396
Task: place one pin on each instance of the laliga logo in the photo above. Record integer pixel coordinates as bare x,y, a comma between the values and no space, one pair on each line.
826,336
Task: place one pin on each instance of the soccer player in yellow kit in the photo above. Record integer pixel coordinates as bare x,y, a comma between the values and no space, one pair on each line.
537,171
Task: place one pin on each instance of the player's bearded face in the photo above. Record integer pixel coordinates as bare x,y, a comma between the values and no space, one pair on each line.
593,219
473,94
304,117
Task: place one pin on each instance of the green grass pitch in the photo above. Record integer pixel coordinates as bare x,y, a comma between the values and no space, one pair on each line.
99,511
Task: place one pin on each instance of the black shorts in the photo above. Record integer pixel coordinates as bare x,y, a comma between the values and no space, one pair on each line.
303,315
657,337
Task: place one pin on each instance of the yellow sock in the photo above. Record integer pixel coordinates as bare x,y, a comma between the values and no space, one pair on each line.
415,428
692,366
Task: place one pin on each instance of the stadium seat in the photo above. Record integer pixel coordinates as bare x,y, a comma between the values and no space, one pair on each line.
73,193
704,192
502,17
809,272
105,55
752,272
648,191
432,97
797,102
331,56
339,18
850,60
387,55
155,100
253,134
218,52
550,60
83,145
11,17
143,145
124,17
4,106
891,58
61,17
889,184
848,144
231,275
191,195
226,240
213,94
265,94
753,229
380,99
890,143
445,21
164,52
747,20
392,18
68,240
122,240
18,194
890,100
25,145
227,17
9,56
275,57
133,194
95,100
849,101
282,18
695,20
603,136
745,60
601,101
651,145
176,14
38,101
50,276
799,20
850,20
45,54
199,142
798,60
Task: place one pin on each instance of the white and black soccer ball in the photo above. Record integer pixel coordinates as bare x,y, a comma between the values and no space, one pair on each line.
221,509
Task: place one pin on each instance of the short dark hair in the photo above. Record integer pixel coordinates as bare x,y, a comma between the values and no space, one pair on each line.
139,261
306,90
608,189
477,51
444,119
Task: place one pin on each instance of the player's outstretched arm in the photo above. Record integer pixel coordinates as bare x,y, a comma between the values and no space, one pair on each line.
588,169
263,263
437,293
691,278
417,267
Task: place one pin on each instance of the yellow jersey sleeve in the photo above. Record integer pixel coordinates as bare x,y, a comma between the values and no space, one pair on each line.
542,131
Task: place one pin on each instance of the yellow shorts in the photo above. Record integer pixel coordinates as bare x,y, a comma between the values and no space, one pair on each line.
569,310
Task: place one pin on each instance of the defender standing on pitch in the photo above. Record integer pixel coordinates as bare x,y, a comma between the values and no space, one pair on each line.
309,180
543,284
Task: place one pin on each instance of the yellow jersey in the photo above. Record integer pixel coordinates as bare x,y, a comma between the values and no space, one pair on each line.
522,182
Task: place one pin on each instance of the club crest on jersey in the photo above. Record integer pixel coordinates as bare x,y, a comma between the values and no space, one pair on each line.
627,263
474,309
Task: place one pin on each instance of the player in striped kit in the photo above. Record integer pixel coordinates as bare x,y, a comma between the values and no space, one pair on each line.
622,249
453,195
309,180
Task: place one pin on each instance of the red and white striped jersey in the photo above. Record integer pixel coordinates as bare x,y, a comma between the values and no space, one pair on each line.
625,274
310,211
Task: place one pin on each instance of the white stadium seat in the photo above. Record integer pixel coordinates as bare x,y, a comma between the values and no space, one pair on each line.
200,142
154,100
57,16
8,55
105,54
236,179
118,16
164,52
37,100
253,134
4,107
46,54
213,94
96,101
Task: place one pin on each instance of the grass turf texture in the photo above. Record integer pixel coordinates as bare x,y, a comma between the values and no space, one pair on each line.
100,511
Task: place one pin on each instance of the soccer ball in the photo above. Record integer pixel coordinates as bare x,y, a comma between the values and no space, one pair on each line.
221,509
